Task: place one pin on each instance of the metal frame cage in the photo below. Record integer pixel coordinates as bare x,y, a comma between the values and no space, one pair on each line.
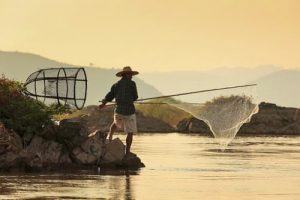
58,85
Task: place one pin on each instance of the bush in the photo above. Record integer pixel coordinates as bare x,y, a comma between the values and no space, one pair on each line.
19,112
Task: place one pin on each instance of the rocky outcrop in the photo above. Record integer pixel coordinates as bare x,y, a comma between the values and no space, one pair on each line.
275,120
114,152
10,141
70,145
270,119
49,152
91,150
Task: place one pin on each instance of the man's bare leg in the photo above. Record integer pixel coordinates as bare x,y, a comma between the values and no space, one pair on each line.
128,142
112,129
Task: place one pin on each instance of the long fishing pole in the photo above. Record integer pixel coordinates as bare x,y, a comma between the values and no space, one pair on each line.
194,92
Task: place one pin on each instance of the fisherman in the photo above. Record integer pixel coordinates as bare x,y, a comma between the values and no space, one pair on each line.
125,93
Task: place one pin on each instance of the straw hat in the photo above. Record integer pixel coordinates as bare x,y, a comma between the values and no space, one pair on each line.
127,70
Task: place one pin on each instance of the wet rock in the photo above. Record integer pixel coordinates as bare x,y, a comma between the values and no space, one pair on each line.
94,144
49,151
132,161
114,152
90,151
83,158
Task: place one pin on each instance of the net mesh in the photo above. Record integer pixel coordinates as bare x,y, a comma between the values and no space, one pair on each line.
58,85
223,111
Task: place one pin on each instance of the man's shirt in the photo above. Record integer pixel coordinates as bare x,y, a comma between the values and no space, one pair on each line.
125,93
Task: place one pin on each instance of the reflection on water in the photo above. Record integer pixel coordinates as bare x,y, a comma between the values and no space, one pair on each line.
178,167
66,186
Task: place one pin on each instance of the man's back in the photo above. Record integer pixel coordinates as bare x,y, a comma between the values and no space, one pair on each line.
125,93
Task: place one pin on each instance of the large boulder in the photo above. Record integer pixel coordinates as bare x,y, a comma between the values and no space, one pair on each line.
114,152
132,161
90,151
49,152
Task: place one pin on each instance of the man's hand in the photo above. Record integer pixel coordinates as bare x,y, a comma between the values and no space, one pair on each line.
101,106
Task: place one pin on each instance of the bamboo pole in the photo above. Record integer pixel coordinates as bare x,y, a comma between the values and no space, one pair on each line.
194,92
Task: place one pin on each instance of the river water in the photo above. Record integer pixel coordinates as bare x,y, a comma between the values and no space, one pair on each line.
178,166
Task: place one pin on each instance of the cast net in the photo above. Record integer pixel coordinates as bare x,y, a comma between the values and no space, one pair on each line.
224,111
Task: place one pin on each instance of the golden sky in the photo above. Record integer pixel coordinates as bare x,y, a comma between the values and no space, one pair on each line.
155,35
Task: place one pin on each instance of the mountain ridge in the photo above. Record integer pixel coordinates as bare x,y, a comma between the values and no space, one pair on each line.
19,65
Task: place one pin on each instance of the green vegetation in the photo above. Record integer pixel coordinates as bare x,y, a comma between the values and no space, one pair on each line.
163,110
21,113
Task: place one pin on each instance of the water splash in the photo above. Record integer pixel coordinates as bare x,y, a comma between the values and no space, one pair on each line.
224,113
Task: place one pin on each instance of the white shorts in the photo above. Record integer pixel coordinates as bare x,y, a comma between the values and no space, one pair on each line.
126,121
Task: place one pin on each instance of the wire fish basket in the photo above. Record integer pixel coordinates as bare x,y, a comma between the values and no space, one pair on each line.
64,86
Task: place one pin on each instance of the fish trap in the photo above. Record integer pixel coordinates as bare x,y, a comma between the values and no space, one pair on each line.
64,86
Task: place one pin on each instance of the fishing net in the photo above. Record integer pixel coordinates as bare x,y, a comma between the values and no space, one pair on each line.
224,111
64,86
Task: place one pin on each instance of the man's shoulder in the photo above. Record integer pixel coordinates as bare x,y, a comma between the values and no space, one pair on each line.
132,82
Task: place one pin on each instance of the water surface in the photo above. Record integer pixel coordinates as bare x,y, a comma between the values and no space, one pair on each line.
178,166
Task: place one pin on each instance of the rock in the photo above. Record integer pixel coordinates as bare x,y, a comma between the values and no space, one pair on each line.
10,141
273,119
72,132
183,125
132,161
51,131
95,143
27,137
10,160
90,151
33,160
114,152
49,151
83,158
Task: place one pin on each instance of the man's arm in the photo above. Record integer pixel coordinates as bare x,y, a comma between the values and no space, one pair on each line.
108,97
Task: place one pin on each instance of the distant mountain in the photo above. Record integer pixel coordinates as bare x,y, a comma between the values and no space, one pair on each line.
281,87
275,84
19,66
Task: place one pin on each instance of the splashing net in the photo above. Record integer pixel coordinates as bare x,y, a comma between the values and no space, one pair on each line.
223,111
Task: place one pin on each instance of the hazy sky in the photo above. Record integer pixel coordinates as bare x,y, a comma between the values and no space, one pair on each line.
154,35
